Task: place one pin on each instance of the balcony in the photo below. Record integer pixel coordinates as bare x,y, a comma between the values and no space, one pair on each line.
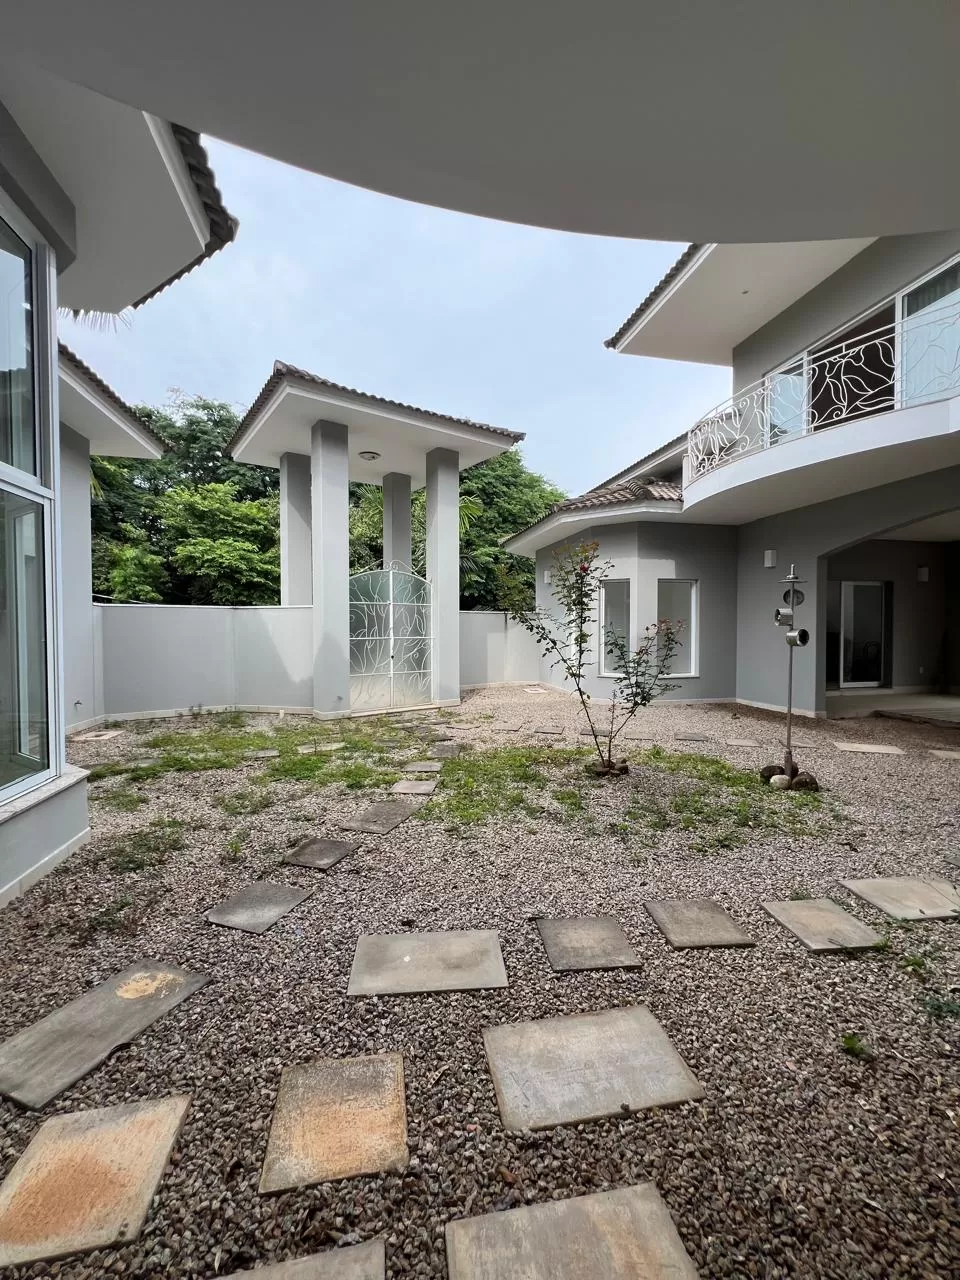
913,360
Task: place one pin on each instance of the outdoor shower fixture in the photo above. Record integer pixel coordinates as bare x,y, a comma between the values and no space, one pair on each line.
796,638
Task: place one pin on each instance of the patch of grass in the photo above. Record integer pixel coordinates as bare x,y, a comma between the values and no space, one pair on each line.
940,1006
234,848
247,800
915,964
355,772
854,1046
142,850
124,799
570,798
719,804
480,784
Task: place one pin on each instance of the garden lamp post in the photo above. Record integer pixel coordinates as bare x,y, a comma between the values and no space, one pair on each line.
796,638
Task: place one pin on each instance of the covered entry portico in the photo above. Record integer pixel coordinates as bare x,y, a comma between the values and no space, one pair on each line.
402,631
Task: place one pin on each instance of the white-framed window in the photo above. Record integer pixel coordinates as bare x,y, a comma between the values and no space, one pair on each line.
677,603
614,624
31,741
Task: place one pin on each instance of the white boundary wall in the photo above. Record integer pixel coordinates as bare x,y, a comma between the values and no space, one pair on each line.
160,659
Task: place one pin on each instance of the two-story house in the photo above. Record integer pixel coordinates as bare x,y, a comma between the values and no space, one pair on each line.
838,451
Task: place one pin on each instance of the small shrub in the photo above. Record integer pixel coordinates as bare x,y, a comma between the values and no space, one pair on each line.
853,1044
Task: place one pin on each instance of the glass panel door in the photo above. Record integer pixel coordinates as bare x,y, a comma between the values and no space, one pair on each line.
18,445
930,344
861,633
23,650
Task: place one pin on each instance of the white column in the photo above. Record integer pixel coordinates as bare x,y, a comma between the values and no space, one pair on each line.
396,519
331,568
443,570
296,581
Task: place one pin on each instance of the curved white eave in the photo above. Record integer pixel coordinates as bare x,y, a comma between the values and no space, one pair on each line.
766,120
567,524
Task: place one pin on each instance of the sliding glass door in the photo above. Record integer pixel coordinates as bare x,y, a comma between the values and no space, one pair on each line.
861,634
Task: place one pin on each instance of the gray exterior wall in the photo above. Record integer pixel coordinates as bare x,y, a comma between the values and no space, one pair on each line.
918,609
31,185
40,829
807,536
887,265
644,553
495,650
951,567
83,701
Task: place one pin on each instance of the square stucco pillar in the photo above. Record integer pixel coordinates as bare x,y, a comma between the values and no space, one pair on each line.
296,580
396,519
443,570
331,568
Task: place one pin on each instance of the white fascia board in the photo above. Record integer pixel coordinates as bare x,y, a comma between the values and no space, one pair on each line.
183,184
665,296
563,523
126,426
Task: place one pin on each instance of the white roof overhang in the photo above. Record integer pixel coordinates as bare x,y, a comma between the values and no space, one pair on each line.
111,432
561,525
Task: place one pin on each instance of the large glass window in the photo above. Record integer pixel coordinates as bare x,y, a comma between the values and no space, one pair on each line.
614,624
18,435
24,746
930,343
677,604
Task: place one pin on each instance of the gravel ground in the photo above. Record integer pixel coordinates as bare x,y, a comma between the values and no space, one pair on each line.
800,1161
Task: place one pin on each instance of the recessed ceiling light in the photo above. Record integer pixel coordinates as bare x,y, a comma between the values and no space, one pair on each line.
369,455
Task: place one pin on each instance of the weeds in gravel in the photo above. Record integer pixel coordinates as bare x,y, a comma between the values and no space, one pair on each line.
247,800
722,806
570,798
854,1046
940,1006
483,783
799,895
141,850
123,799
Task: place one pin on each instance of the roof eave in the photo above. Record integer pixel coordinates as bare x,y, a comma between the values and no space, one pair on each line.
551,527
687,262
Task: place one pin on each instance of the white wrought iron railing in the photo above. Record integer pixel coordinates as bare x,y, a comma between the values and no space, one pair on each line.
913,361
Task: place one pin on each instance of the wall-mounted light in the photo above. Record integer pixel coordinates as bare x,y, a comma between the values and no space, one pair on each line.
923,573
770,559
547,577
369,455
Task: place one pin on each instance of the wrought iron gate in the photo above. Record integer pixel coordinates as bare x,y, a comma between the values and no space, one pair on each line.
391,637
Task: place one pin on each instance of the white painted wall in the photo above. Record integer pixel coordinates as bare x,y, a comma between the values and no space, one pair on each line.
166,658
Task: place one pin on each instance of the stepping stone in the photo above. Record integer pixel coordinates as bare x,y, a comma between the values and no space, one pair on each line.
257,907
455,960
690,737
445,751
800,744
585,733
943,754
383,817
313,748
549,730
583,1067
97,735
354,1262
742,742
626,1234
534,689
635,735
697,922
86,1180
586,942
270,753
42,1060
414,787
423,766
909,897
320,852
513,727
823,926
869,748
337,1118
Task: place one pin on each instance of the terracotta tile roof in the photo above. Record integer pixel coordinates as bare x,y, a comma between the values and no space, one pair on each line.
223,225
610,495
86,374
290,373
683,261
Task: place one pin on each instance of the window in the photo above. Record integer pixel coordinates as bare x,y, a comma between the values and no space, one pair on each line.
18,443
30,743
614,624
677,603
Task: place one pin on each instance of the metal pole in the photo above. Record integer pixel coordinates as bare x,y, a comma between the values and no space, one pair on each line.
788,753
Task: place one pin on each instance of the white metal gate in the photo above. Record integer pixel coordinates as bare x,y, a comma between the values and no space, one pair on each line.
391,638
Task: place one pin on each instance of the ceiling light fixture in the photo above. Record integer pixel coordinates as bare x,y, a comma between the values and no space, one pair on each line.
369,455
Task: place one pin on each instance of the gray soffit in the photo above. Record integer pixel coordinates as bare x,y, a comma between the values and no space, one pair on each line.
311,381
103,389
655,293
223,225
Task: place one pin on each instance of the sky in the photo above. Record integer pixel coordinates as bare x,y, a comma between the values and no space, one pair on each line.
486,320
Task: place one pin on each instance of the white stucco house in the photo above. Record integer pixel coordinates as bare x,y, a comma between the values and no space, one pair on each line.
839,451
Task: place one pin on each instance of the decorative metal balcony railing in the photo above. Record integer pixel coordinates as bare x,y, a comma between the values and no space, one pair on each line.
913,361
